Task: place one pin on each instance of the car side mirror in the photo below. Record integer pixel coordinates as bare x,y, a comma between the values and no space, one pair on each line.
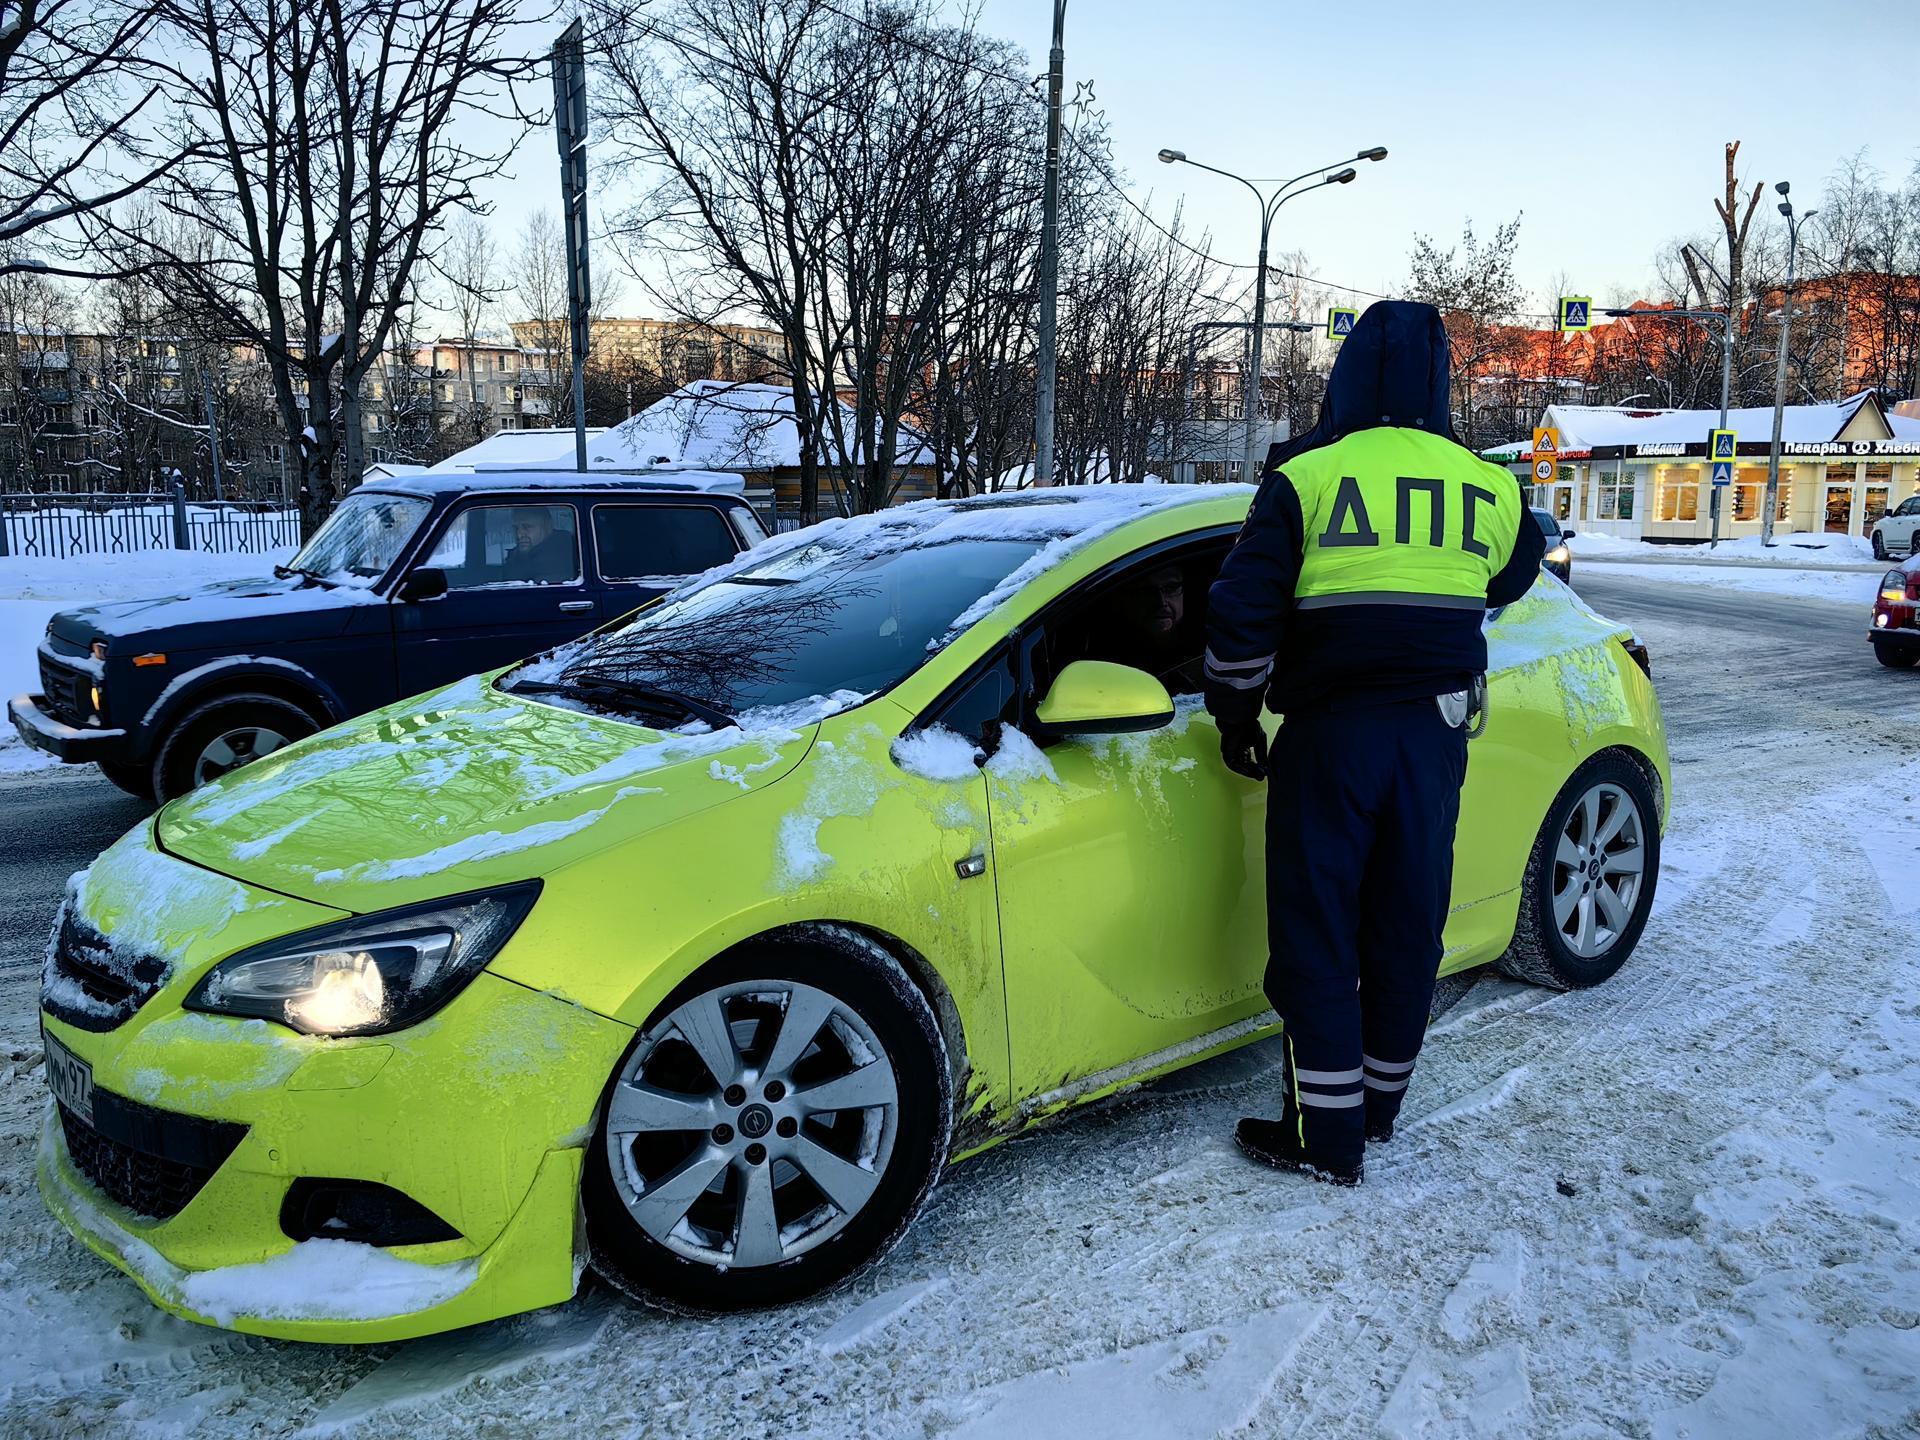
426,583
1096,697
1566,534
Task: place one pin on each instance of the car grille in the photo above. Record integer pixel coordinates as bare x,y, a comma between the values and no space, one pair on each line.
152,1162
111,987
66,692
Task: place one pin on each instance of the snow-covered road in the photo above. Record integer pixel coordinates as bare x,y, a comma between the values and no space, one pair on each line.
1685,1204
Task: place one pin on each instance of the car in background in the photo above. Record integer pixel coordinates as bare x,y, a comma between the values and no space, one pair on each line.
412,582
1898,531
1895,626
1558,561
693,951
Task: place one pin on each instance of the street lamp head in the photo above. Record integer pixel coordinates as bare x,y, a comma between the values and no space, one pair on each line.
1172,157
1376,152
1343,177
1783,187
1785,207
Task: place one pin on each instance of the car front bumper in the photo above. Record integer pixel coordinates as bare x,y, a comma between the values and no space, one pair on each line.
480,1114
75,744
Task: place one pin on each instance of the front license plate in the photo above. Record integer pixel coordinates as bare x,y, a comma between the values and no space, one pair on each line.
70,1078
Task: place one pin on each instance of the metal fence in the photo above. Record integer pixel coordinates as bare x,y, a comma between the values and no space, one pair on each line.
57,525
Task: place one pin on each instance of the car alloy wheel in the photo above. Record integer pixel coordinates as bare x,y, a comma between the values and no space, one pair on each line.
1589,883
229,751
774,1127
752,1123
1598,868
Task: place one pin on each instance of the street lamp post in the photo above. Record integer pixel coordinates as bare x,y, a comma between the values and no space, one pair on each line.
1270,204
1046,369
1725,323
1780,367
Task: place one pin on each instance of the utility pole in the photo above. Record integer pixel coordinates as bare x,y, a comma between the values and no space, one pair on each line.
570,127
1780,366
1049,257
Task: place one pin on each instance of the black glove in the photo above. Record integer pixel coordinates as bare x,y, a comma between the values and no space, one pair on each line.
1243,746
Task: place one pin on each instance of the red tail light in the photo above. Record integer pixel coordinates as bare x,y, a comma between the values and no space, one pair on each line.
1913,587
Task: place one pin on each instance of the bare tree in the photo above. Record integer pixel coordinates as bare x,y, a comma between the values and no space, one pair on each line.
1474,287
470,264
540,294
76,100
331,143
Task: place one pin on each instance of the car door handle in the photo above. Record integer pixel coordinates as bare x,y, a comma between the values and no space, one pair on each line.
575,607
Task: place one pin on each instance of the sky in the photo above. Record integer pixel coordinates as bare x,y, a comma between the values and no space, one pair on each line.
1603,124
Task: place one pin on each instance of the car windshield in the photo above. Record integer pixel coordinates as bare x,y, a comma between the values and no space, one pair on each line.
1549,526
362,537
814,621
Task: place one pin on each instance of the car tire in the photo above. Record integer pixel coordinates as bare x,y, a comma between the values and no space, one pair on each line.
188,756
671,1127
1879,546
136,780
1897,657
1568,939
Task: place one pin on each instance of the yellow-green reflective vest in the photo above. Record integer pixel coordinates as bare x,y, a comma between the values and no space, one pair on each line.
1401,517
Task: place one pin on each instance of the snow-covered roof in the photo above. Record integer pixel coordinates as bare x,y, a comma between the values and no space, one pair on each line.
1589,427
517,447
723,424
442,482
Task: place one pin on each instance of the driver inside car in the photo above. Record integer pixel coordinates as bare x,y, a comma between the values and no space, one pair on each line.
1145,625
540,553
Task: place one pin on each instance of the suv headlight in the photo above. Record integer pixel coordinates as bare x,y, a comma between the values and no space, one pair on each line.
371,974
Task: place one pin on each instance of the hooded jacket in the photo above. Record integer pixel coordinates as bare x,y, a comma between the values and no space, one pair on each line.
1327,600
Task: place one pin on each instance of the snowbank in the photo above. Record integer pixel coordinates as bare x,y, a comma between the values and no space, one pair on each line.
1845,587
1799,550
33,590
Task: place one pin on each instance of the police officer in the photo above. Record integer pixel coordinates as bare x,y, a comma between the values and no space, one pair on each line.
1352,603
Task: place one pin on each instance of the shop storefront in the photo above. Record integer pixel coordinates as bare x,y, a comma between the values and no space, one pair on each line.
1644,474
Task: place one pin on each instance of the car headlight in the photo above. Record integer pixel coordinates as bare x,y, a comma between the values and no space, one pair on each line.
1559,555
371,974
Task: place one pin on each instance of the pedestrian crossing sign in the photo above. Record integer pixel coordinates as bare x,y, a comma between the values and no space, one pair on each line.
1576,312
1340,322
1723,472
1722,444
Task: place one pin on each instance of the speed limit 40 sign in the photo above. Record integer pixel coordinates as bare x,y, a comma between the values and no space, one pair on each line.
1546,453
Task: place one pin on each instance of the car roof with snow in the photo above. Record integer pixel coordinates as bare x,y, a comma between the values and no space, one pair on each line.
430,484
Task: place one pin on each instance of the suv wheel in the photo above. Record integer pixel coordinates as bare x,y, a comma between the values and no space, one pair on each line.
773,1129
221,736
1590,880
136,780
1879,546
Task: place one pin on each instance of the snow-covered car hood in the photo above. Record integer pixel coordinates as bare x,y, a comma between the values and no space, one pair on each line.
209,614
465,788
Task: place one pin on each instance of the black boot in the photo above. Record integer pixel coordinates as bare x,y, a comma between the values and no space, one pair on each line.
1277,1143
1379,1131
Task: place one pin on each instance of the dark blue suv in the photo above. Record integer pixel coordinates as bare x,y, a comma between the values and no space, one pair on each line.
412,582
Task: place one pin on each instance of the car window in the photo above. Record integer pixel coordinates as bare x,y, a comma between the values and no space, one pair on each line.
812,621
362,537
1151,616
494,545
640,542
1549,526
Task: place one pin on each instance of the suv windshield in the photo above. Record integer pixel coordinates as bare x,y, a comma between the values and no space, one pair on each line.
812,621
362,537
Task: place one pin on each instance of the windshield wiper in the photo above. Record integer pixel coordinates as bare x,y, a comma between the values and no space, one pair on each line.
282,572
633,694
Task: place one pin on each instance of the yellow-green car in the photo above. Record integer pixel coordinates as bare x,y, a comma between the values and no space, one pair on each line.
693,951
